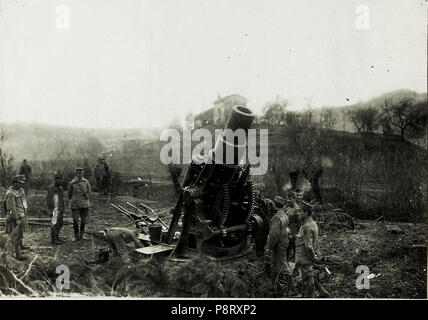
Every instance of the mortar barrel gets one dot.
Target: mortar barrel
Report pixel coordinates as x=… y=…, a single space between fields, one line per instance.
x=240 y=118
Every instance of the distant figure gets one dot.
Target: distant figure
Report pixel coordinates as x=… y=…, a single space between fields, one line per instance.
x=102 y=175
x=175 y=172
x=55 y=203
x=15 y=206
x=79 y=190
x=25 y=170
x=87 y=170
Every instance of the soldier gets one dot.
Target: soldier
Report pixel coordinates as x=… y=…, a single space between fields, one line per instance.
x=25 y=170
x=277 y=244
x=293 y=220
x=79 y=190
x=55 y=203
x=102 y=175
x=175 y=172
x=306 y=241
x=119 y=238
x=15 y=208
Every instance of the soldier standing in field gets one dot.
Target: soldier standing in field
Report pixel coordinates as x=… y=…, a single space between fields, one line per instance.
x=306 y=242
x=277 y=244
x=55 y=203
x=102 y=176
x=25 y=170
x=15 y=208
x=79 y=191
x=294 y=226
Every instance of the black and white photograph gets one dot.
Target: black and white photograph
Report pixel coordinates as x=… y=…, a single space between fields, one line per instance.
x=213 y=150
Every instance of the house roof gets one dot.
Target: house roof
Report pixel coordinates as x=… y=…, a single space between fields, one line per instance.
x=232 y=96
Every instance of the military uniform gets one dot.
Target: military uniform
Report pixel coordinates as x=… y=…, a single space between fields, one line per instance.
x=277 y=244
x=102 y=176
x=175 y=172
x=119 y=238
x=294 y=225
x=306 y=241
x=25 y=170
x=78 y=193
x=16 y=222
x=55 y=203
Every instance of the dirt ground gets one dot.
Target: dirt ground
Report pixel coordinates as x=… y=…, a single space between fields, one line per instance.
x=395 y=254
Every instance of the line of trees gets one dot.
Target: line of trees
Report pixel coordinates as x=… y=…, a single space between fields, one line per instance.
x=402 y=112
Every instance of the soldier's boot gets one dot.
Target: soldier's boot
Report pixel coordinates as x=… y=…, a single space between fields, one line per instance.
x=310 y=290
x=291 y=288
x=322 y=292
x=54 y=237
x=21 y=245
x=18 y=255
x=76 y=230
x=82 y=231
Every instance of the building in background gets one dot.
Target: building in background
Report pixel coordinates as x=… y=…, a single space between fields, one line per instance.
x=219 y=114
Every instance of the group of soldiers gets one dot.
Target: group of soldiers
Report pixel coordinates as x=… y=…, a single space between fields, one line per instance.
x=293 y=233
x=15 y=204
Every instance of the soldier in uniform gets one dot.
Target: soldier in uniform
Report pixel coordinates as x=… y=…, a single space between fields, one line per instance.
x=15 y=208
x=102 y=175
x=120 y=237
x=55 y=203
x=306 y=242
x=294 y=225
x=175 y=172
x=277 y=244
x=25 y=170
x=79 y=190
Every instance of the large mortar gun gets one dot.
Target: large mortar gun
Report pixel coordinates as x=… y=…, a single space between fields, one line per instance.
x=217 y=200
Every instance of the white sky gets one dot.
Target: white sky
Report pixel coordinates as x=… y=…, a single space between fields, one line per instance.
x=141 y=63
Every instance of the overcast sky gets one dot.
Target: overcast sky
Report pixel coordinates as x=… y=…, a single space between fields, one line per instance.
x=141 y=63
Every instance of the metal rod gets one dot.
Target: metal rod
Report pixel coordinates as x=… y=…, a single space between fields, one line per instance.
x=153 y=211
x=142 y=217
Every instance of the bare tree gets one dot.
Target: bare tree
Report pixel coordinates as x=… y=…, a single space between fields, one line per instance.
x=403 y=115
x=365 y=119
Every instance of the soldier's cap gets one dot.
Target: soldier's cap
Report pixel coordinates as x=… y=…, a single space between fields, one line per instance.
x=278 y=200
x=79 y=169
x=20 y=178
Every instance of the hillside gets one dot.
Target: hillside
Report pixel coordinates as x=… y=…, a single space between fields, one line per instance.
x=40 y=142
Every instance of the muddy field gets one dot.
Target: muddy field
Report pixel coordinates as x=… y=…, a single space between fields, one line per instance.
x=395 y=254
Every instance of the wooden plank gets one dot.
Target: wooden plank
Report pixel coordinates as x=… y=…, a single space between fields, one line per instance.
x=159 y=248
